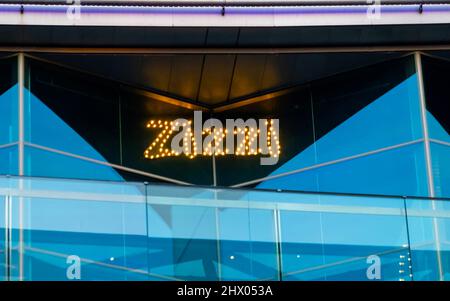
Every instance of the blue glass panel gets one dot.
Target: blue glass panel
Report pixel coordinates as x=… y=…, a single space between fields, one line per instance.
x=428 y=229
x=124 y=231
x=44 y=127
x=247 y=241
x=327 y=245
x=440 y=161
x=182 y=238
x=9 y=160
x=436 y=130
x=3 y=269
x=9 y=110
x=43 y=163
x=394 y=172
x=391 y=119
x=302 y=181
x=106 y=231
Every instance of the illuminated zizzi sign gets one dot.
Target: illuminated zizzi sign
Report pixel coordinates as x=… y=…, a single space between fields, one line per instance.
x=211 y=138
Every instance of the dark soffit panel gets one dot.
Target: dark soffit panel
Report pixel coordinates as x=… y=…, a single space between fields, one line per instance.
x=248 y=74
x=287 y=70
x=217 y=79
x=185 y=75
x=311 y=36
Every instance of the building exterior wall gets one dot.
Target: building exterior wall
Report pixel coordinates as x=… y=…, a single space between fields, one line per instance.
x=360 y=131
x=368 y=119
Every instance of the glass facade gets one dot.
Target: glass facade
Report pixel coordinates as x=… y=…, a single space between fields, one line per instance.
x=77 y=187
x=365 y=118
x=135 y=231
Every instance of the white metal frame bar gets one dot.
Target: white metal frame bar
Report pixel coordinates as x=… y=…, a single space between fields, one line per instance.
x=21 y=139
x=423 y=109
x=244 y=203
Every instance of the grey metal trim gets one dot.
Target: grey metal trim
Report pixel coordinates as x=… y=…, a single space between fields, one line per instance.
x=423 y=111
x=8 y=56
x=278 y=241
x=20 y=80
x=6 y=145
x=21 y=108
x=214 y=170
x=58 y=196
x=434 y=56
x=128 y=169
x=222 y=50
x=439 y=142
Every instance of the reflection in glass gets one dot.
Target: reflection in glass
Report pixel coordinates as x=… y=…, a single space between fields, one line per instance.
x=399 y=171
x=248 y=247
x=9 y=160
x=63 y=166
x=428 y=222
x=100 y=229
x=366 y=109
x=126 y=231
x=440 y=161
x=182 y=239
x=3 y=239
x=71 y=111
x=322 y=244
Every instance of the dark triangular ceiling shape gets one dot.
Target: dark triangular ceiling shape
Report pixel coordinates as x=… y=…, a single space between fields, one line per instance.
x=214 y=80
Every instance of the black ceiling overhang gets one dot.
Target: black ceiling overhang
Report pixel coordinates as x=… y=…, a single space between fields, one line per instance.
x=216 y=73
x=224 y=37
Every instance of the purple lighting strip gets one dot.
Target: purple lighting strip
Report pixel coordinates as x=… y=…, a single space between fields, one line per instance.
x=306 y=10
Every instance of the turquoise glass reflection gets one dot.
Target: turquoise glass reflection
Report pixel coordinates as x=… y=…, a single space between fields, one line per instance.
x=430 y=240
x=9 y=115
x=44 y=127
x=9 y=160
x=3 y=227
x=182 y=239
x=440 y=161
x=398 y=171
x=327 y=245
x=105 y=235
x=392 y=119
x=92 y=230
x=44 y=163
x=248 y=248
x=436 y=130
